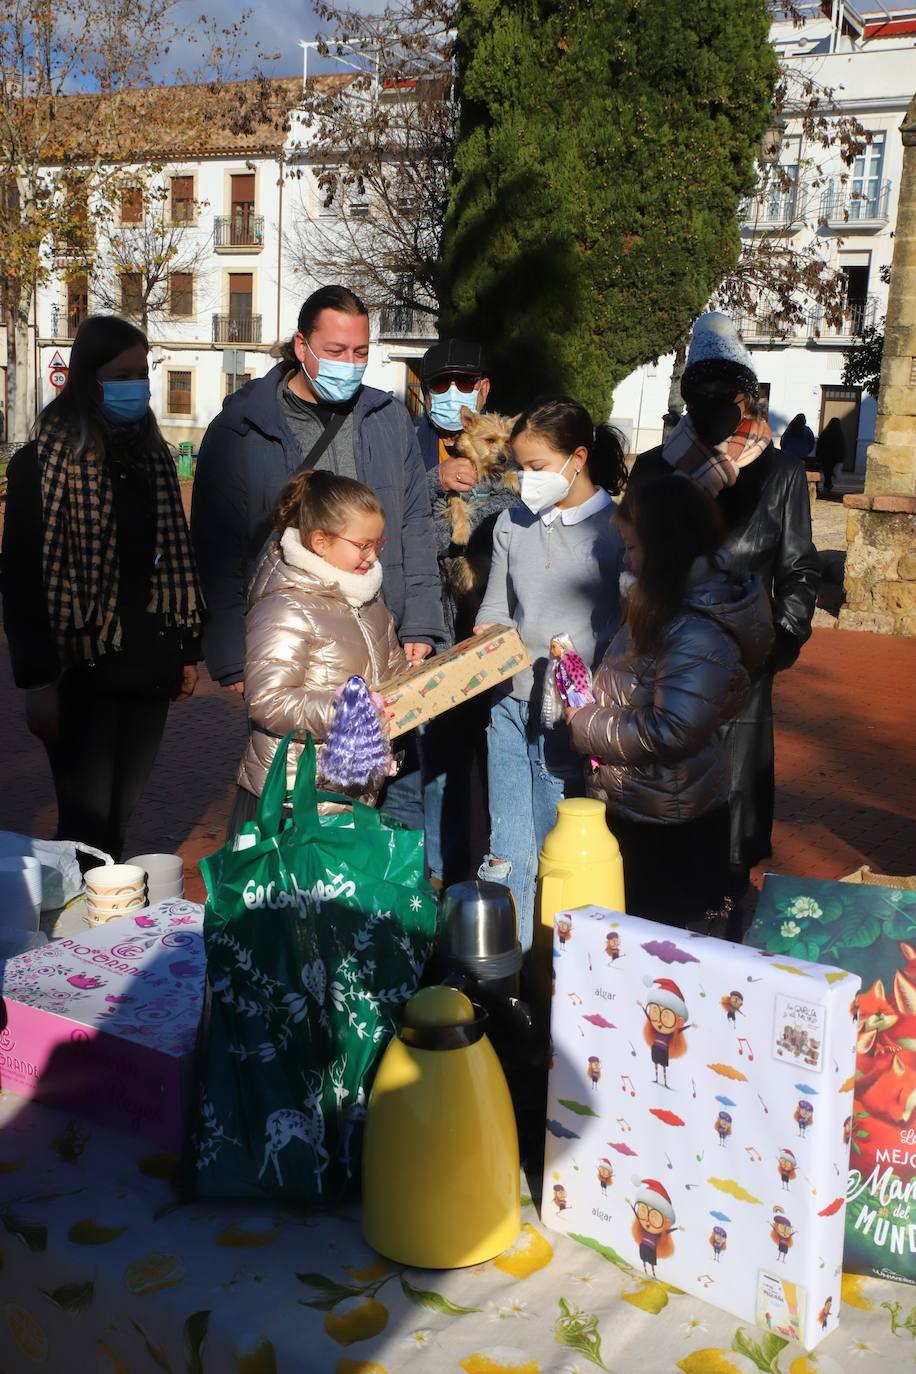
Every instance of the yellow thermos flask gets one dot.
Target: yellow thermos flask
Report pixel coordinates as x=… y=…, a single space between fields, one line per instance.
x=440 y=1152
x=579 y=865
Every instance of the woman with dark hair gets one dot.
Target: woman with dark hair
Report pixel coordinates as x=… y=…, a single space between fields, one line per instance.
x=555 y=568
x=674 y=673
x=797 y=439
x=724 y=445
x=101 y=603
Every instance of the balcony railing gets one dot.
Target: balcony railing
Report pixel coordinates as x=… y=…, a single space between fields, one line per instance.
x=813 y=327
x=236 y=329
x=400 y=322
x=844 y=208
x=764 y=328
x=775 y=210
x=857 y=317
x=238 y=231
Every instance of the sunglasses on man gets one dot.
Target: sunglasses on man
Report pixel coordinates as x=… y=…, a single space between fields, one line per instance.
x=439 y=385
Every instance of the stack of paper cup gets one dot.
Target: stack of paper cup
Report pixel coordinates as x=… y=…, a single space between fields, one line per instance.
x=114 y=890
x=164 y=876
x=20 y=904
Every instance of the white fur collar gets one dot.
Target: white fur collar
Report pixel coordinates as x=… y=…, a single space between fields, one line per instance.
x=356 y=588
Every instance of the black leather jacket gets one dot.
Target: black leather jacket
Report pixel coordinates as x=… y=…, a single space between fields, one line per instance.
x=768 y=516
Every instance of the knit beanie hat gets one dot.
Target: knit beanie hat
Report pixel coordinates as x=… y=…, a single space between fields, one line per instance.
x=717 y=354
x=653 y=1194
x=787 y=1154
x=664 y=992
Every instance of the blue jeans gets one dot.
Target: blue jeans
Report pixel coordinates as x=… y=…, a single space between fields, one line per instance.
x=402 y=796
x=529 y=771
x=433 y=803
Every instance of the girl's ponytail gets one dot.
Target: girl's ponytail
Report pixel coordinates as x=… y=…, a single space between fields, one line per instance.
x=292 y=499
x=606 y=464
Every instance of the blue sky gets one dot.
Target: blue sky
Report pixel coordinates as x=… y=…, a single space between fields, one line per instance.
x=278 y=24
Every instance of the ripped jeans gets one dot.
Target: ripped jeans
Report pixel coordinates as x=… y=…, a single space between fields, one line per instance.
x=529 y=771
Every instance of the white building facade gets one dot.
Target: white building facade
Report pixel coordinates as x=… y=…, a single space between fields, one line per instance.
x=230 y=215
x=869 y=61
x=237 y=209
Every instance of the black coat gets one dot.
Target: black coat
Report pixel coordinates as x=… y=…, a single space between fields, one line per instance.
x=768 y=519
x=246 y=458
x=152 y=653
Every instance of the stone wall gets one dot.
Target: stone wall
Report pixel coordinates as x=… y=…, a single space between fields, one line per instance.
x=880 y=574
x=880 y=564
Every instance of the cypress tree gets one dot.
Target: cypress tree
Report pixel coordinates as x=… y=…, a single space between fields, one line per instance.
x=603 y=148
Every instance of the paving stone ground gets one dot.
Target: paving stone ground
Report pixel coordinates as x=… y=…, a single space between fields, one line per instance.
x=845 y=759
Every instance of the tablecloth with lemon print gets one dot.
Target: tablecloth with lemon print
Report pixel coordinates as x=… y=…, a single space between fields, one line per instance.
x=102 y=1272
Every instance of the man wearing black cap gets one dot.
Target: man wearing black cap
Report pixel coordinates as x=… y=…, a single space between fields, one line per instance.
x=452 y=375
x=312 y=410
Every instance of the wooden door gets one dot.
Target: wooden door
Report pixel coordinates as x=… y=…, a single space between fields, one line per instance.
x=241 y=286
x=843 y=402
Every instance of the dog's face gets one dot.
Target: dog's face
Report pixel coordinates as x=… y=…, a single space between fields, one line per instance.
x=484 y=439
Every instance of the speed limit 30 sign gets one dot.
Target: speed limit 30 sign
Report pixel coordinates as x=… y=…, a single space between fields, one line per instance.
x=58 y=372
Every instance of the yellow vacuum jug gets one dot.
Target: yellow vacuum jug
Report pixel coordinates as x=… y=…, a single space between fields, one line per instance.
x=579 y=865
x=440 y=1152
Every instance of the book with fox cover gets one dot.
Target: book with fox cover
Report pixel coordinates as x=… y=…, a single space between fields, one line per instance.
x=870 y=930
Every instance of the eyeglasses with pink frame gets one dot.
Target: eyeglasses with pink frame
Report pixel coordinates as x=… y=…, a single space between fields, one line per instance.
x=364 y=545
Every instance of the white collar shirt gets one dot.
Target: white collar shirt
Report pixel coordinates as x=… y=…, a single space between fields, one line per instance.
x=572 y=515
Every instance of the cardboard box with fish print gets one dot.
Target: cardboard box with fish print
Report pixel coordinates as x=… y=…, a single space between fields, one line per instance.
x=868 y=926
x=697 y=1096
x=446 y=680
x=104 y=1024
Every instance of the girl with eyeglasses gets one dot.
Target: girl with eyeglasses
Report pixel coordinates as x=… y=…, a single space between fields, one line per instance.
x=315 y=618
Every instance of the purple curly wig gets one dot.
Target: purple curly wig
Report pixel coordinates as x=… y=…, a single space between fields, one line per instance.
x=356 y=755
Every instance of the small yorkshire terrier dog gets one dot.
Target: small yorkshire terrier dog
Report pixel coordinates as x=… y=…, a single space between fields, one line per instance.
x=484 y=440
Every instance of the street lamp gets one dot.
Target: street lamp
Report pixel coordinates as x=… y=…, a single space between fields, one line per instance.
x=771 y=142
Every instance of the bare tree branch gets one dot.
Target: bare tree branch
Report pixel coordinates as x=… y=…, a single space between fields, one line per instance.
x=380 y=148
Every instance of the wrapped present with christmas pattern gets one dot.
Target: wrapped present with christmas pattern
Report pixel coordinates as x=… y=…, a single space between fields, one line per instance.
x=697 y=1099
x=447 y=679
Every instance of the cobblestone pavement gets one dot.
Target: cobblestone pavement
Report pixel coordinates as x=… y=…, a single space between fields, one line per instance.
x=845 y=759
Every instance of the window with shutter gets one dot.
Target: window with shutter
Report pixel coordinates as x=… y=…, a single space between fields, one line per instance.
x=178 y=401
x=181 y=293
x=132 y=205
x=77 y=303
x=131 y=293
x=182 y=196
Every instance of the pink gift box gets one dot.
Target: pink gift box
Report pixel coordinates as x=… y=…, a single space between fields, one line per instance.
x=104 y=1024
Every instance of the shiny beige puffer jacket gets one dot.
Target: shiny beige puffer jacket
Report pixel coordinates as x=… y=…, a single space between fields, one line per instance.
x=309 y=627
x=655 y=725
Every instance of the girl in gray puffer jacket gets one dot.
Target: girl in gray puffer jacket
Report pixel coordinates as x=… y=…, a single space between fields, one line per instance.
x=680 y=667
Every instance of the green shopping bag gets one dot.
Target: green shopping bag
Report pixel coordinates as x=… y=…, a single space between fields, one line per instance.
x=317 y=929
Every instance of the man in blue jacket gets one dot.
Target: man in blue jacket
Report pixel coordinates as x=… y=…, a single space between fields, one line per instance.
x=313 y=411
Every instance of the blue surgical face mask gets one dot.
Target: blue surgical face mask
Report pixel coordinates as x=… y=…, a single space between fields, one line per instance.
x=336 y=382
x=445 y=409
x=126 y=402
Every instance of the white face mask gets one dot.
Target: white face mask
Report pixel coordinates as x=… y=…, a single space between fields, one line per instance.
x=542 y=489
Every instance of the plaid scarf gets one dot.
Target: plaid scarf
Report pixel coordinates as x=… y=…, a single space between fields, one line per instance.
x=715 y=466
x=80 y=554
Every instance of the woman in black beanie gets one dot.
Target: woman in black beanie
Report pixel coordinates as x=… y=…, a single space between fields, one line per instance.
x=725 y=446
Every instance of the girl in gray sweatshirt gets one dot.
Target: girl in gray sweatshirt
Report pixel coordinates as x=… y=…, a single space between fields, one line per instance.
x=556 y=565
